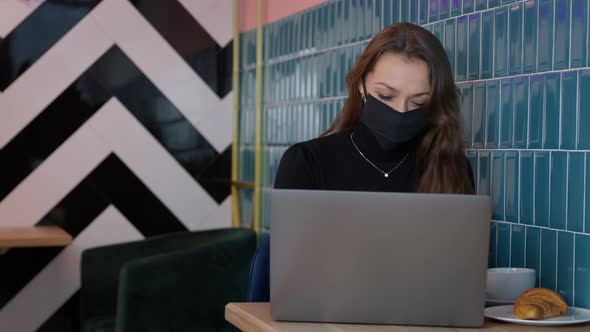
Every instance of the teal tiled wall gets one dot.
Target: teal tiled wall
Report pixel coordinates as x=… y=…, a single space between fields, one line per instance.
x=524 y=72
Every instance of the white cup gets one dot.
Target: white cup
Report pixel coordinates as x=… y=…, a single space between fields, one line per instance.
x=507 y=283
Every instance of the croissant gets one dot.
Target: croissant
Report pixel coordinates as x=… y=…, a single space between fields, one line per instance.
x=539 y=303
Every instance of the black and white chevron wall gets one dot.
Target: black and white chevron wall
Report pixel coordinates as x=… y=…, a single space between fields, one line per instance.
x=115 y=123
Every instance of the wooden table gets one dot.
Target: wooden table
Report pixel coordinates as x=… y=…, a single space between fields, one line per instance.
x=37 y=236
x=255 y=317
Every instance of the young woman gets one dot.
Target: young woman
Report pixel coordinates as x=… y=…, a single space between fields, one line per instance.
x=400 y=129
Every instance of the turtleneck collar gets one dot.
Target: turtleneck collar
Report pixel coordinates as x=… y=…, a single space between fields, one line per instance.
x=367 y=143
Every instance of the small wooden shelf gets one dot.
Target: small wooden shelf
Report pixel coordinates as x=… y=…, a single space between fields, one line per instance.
x=37 y=236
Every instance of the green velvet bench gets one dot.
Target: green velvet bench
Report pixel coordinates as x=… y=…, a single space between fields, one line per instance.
x=173 y=282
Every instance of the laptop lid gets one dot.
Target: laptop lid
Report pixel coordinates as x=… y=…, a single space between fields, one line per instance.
x=385 y=258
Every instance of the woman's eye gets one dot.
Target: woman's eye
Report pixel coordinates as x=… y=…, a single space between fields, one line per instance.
x=418 y=104
x=385 y=97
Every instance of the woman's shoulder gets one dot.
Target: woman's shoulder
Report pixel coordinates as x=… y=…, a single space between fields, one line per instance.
x=318 y=146
x=298 y=168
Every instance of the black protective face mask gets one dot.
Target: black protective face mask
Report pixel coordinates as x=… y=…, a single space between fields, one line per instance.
x=392 y=128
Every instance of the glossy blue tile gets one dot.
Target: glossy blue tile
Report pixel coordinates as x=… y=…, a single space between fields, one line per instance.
x=472 y=157
x=503 y=249
x=501 y=42
x=423 y=11
x=468 y=6
x=487 y=44
x=493 y=113
x=515 y=42
x=443 y=9
x=530 y=37
x=438 y=30
x=353 y=18
x=294 y=25
x=433 y=10
x=481 y=5
x=521 y=95
x=414 y=11
x=562 y=34
x=578 y=33
x=548 y=259
x=551 y=130
x=346 y=21
x=494 y=3
x=533 y=251
x=582 y=271
x=450 y=27
x=492 y=253
x=339 y=23
x=371 y=15
x=541 y=188
x=405 y=10
x=545 y=38
x=467 y=110
x=558 y=180
x=517 y=250
x=498 y=185
x=504 y=2
x=484 y=173
x=511 y=194
x=455 y=8
x=473 y=50
x=527 y=180
x=304 y=28
x=479 y=115
x=398 y=11
x=461 y=53
x=536 y=111
x=584 y=109
x=314 y=17
x=301 y=31
x=565 y=266
x=587 y=195
x=335 y=72
x=575 y=192
x=507 y=113
x=333 y=29
x=388 y=12
x=361 y=20
x=569 y=100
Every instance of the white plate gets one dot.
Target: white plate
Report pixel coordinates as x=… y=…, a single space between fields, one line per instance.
x=505 y=313
x=492 y=303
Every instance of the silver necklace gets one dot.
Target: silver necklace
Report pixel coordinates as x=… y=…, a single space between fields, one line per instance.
x=386 y=174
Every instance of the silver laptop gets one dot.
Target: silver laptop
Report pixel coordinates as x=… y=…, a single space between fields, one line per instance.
x=382 y=258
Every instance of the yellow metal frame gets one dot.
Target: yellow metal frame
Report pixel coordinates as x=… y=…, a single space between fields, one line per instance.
x=236 y=185
x=235 y=155
x=259 y=120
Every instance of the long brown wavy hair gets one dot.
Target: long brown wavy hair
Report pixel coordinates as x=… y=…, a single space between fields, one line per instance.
x=440 y=154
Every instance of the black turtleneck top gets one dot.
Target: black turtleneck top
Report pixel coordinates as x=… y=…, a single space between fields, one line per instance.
x=334 y=163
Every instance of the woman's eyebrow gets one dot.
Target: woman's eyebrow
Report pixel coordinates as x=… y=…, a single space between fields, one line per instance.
x=387 y=86
x=395 y=90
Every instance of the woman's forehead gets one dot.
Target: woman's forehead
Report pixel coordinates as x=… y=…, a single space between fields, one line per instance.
x=401 y=73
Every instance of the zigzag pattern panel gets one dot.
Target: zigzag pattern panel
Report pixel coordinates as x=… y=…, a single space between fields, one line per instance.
x=196 y=46
x=113 y=119
x=16 y=54
x=113 y=75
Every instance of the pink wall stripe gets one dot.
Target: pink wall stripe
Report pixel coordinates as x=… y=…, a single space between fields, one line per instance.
x=274 y=10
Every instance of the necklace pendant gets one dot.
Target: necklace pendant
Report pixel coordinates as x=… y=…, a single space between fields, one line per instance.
x=386 y=175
